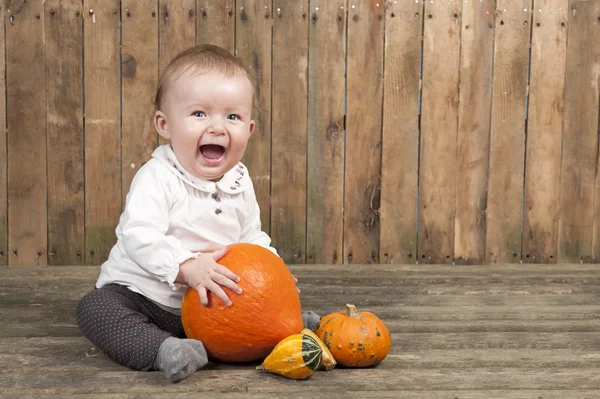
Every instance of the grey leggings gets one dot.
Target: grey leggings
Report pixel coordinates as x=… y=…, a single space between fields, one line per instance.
x=127 y=326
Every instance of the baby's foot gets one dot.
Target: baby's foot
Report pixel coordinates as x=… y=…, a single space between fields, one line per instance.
x=178 y=358
x=310 y=320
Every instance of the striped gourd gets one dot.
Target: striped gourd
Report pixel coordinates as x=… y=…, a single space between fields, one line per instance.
x=328 y=361
x=297 y=356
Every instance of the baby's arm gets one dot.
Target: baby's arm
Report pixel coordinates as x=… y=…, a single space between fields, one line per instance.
x=145 y=222
x=205 y=274
x=144 y=225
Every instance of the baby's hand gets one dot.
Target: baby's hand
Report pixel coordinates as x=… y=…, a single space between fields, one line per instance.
x=205 y=274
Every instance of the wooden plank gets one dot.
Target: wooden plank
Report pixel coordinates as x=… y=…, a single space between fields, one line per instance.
x=495 y=271
x=24 y=354
x=594 y=124
x=177 y=32
x=439 y=120
x=544 y=131
x=493 y=326
x=102 y=54
x=461 y=331
x=454 y=303
x=177 y=29
x=576 y=220
x=413 y=307
x=507 y=136
x=26 y=124
x=501 y=340
x=582 y=276
x=400 y=135
x=216 y=23
x=64 y=127
x=47 y=328
x=139 y=63
x=477 y=56
x=364 y=101
x=289 y=129
x=427 y=317
x=403 y=290
x=326 y=132
x=374 y=380
x=390 y=297
x=552 y=275
x=391 y=394
x=253 y=44
x=3 y=154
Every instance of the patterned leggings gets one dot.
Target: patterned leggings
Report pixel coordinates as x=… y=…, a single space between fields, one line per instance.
x=125 y=325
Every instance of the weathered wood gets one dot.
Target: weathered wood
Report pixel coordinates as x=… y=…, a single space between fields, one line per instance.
x=326 y=131
x=289 y=129
x=64 y=127
x=215 y=23
x=26 y=150
x=102 y=53
x=477 y=53
x=177 y=31
x=139 y=79
x=439 y=121
x=393 y=394
x=3 y=154
x=458 y=331
x=576 y=221
x=56 y=317
x=254 y=23
x=507 y=136
x=364 y=100
x=347 y=380
x=544 y=132
x=400 y=135
x=77 y=354
x=594 y=124
x=582 y=275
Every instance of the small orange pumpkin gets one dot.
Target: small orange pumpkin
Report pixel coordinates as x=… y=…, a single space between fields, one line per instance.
x=267 y=311
x=356 y=339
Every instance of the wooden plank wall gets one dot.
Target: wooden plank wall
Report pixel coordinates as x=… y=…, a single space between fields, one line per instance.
x=387 y=131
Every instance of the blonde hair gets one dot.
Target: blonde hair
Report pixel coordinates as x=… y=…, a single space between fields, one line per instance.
x=199 y=59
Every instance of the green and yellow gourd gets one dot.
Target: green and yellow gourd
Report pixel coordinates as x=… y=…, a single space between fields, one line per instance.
x=328 y=361
x=297 y=357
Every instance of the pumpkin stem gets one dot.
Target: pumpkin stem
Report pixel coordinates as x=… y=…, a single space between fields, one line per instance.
x=261 y=367
x=351 y=310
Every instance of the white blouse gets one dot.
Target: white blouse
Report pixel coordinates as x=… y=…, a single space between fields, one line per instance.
x=171 y=216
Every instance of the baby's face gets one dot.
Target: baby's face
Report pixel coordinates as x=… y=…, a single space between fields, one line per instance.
x=208 y=120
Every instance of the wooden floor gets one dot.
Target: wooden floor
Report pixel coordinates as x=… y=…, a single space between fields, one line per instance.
x=468 y=332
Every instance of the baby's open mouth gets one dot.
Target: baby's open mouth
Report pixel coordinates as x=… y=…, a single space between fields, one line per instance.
x=212 y=151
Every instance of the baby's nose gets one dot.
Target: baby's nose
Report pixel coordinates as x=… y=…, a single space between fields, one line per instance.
x=217 y=127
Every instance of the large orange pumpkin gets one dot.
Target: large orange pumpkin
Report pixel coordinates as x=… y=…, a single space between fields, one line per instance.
x=267 y=311
x=355 y=339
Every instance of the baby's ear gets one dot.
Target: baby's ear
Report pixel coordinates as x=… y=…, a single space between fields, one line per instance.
x=160 y=124
x=252 y=125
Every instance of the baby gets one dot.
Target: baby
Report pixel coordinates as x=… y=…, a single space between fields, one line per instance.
x=185 y=205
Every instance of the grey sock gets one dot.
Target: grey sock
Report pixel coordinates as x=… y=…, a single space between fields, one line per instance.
x=310 y=320
x=178 y=358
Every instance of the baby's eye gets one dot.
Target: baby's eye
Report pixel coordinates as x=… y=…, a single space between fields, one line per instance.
x=199 y=114
x=233 y=117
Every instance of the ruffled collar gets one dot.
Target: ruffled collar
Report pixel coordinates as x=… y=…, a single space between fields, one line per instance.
x=234 y=181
